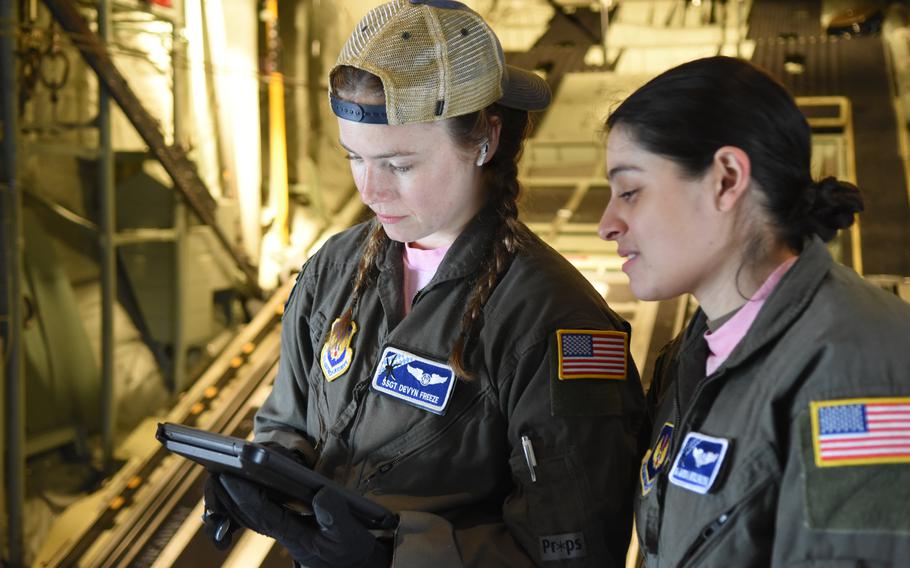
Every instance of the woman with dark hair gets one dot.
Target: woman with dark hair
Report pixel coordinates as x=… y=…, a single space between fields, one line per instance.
x=440 y=359
x=782 y=426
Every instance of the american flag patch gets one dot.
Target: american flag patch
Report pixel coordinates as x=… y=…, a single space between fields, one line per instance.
x=591 y=354
x=861 y=431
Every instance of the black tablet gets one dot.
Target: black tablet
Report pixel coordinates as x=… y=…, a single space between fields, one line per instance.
x=260 y=464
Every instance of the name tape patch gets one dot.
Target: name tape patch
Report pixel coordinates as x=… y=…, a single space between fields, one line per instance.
x=563 y=547
x=861 y=431
x=415 y=380
x=698 y=462
x=656 y=458
x=592 y=354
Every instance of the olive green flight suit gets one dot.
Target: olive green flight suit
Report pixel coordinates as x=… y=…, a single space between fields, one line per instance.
x=824 y=336
x=461 y=480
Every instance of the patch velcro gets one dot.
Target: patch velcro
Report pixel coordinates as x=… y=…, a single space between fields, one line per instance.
x=861 y=431
x=592 y=354
x=872 y=498
x=563 y=547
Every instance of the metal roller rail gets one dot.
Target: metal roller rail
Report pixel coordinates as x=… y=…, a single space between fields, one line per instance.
x=177 y=481
x=151 y=495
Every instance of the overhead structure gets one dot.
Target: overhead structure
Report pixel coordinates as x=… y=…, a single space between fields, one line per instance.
x=173 y=158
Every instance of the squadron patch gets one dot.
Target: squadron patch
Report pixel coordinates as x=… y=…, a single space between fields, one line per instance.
x=861 y=431
x=415 y=380
x=592 y=354
x=656 y=458
x=698 y=462
x=337 y=352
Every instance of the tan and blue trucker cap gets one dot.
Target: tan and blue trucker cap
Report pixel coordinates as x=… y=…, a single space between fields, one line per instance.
x=436 y=59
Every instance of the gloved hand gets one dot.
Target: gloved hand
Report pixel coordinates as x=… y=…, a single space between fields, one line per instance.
x=218 y=520
x=335 y=540
x=216 y=517
x=219 y=523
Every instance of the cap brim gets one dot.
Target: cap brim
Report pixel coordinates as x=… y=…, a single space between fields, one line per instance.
x=524 y=90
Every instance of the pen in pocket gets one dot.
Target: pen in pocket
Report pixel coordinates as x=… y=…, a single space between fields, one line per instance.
x=528 y=450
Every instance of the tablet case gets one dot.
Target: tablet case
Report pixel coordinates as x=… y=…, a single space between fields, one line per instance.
x=260 y=464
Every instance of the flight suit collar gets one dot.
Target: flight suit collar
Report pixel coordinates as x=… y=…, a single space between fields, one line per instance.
x=465 y=256
x=787 y=301
x=390 y=286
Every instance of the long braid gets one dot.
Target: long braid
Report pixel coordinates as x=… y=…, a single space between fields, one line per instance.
x=501 y=178
x=366 y=271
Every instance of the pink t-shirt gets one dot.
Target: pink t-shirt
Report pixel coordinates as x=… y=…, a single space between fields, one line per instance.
x=419 y=268
x=723 y=340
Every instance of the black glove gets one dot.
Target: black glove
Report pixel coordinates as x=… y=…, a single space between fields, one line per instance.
x=335 y=540
x=218 y=520
x=216 y=517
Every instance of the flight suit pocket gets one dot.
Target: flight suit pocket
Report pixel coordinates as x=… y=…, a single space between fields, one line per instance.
x=592 y=397
x=424 y=439
x=554 y=500
x=855 y=496
x=552 y=510
x=740 y=526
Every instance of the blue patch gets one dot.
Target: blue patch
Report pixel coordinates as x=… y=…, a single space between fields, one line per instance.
x=415 y=380
x=656 y=458
x=698 y=462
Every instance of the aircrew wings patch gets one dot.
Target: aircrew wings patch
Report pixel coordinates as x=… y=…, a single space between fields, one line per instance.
x=592 y=354
x=861 y=431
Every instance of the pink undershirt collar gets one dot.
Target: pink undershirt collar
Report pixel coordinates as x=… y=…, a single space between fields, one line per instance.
x=723 y=340
x=420 y=266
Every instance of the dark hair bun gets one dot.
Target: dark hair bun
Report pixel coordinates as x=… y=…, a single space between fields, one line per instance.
x=832 y=203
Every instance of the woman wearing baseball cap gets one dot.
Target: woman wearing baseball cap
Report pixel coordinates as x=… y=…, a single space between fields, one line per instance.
x=783 y=410
x=439 y=358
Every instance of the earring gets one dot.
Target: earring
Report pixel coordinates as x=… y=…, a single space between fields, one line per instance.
x=483 y=153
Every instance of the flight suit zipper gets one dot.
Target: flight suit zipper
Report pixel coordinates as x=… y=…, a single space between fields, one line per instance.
x=718 y=526
x=677 y=436
x=681 y=422
x=384 y=468
x=683 y=429
x=321 y=398
x=358 y=395
x=417 y=297
x=705 y=536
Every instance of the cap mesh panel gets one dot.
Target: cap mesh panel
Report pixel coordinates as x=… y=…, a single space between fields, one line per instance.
x=475 y=80
x=405 y=45
x=413 y=67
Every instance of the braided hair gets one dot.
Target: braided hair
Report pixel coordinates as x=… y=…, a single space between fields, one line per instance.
x=500 y=180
